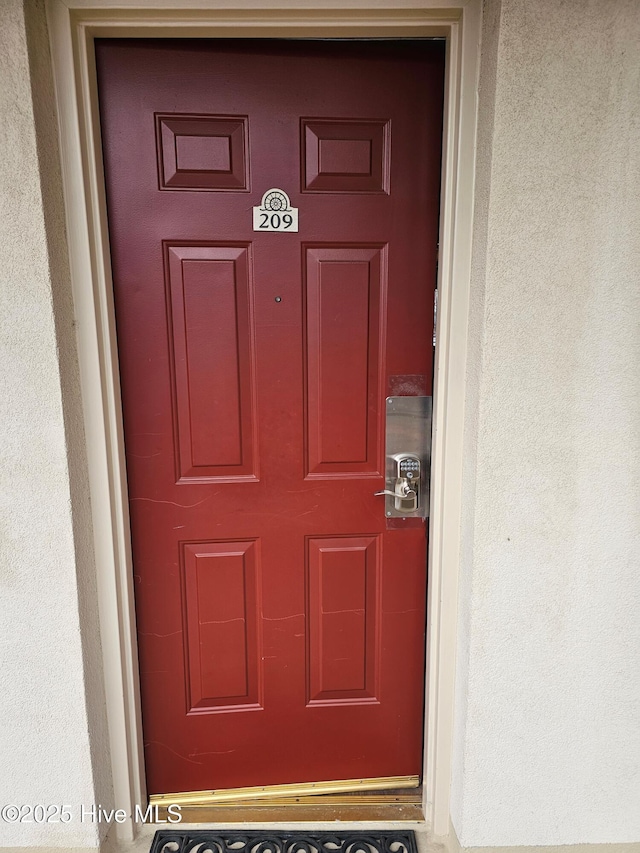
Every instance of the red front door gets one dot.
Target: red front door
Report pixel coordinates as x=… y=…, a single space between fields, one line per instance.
x=281 y=618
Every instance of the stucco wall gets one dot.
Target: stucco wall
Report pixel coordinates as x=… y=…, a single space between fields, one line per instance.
x=46 y=576
x=547 y=736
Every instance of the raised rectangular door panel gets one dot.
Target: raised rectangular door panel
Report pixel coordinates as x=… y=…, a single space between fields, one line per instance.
x=343 y=602
x=220 y=587
x=346 y=156
x=280 y=618
x=345 y=299
x=211 y=335
x=202 y=152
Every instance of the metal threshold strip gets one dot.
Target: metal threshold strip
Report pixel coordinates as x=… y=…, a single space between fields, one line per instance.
x=291 y=794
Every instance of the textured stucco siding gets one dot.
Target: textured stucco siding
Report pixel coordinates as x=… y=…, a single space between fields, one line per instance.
x=46 y=667
x=547 y=734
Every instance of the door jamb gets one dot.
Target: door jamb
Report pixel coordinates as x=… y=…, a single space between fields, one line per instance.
x=73 y=25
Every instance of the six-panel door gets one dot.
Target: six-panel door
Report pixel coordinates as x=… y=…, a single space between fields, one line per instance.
x=280 y=617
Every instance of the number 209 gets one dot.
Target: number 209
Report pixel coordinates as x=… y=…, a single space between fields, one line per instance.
x=275 y=221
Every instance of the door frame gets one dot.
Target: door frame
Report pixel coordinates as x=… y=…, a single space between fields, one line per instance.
x=73 y=26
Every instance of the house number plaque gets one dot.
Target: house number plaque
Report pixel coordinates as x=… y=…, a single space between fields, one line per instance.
x=275 y=213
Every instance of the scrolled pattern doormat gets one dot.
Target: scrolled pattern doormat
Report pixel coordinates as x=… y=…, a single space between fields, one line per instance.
x=270 y=841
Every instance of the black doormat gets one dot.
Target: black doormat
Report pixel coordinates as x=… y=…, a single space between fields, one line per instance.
x=282 y=841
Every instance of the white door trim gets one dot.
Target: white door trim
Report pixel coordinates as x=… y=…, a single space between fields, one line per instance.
x=73 y=25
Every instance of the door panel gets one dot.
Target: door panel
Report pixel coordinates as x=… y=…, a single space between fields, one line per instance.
x=345 y=289
x=281 y=617
x=344 y=619
x=220 y=622
x=212 y=360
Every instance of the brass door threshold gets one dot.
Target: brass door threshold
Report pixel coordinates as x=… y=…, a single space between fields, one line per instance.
x=277 y=792
x=391 y=798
